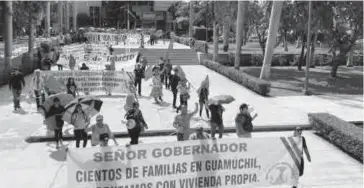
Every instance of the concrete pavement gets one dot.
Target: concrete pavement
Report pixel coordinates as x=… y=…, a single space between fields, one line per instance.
x=40 y=165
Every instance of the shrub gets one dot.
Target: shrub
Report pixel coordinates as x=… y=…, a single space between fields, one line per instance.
x=259 y=86
x=345 y=135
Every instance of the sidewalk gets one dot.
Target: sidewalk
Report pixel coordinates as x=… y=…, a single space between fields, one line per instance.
x=40 y=165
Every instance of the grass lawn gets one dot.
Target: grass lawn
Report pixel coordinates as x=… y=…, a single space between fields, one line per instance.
x=288 y=81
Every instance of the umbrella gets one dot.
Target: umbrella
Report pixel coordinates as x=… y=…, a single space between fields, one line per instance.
x=90 y=105
x=63 y=97
x=221 y=99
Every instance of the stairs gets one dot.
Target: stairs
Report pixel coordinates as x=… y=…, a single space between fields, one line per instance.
x=177 y=56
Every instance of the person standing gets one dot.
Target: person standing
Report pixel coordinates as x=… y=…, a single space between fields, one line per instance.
x=216 y=119
x=71 y=87
x=136 y=123
x=16 y=84
x=144 y=63
x=139 y=75
x=157 y=91
x=199 y=134
x=184 y=89
x=243 y=122
x=298 y=133
x=101 y=133
x=203 y=99
x=182 y=123
x=167 y=73
x=174 y=80
x=161 y=67
x=57 y=110
x=80 y=121
x=37 y=86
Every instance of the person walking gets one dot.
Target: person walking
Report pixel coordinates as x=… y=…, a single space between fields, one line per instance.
x=161 y=67
x=167 y=73
x=139 y=75
x=71 y=87
x=174 y=80
x=243 y=122
x=57 y=110
x=203 y=97
x=199 y=134
x=298 y=133
x=100 y=133
x=37 y=86
x=216 y=119
x=157 y=91
x=16 y=84
x=136 y=123
x=184 y=89
x=182 y=123
x=80 y=121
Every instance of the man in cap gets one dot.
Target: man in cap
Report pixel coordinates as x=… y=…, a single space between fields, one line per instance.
x=16 y=84
x=199 y=134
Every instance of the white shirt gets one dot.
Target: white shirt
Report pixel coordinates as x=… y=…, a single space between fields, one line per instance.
x=37 y=84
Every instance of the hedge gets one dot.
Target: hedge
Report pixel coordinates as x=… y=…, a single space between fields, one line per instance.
x=257 y=85
x=197 y=45
x=345 y=135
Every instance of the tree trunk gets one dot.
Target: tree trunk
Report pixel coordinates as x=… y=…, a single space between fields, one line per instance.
x=216 y=39
x=226 y=28
x=340 y=58
x=190 y=27
x=313 y=47
x=239 y=31
x=272 y=36
x=302 y=58
x=285 y=43
x=8 y=34
x=349 y=61
x=31 y=37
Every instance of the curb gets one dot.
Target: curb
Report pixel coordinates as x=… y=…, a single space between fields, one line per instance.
x=155 y=133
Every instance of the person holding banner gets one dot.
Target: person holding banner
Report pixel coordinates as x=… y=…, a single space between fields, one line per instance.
x=101 y=133
x=139 y=75
x=80 y=121
x=71 y=87
x=157 y=90
x=182 y=123
x=243 y=122
x=136 y=123
x=298 y=133
x=37 y=86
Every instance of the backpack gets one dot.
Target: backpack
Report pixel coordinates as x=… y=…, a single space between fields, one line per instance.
x=248 y=125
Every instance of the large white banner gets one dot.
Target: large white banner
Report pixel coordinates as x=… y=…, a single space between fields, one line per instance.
x=111 y=38
x=98 y=62
x=91 y=81
x=189 y=164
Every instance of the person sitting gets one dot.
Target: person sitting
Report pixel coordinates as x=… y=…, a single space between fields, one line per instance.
x=101 y=132
x=199 y=134
x=84 y=67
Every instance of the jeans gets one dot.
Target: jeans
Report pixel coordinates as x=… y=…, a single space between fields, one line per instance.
x=58 y=134
x=16 y=97
x=39 y=96
x=139 y=84
x=134 y=135
x=80 y=134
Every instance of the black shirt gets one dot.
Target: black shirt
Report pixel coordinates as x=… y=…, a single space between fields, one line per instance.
x=216 y=113
x=174 y=79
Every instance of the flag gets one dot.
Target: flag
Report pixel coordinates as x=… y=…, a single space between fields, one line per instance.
x=148 y=73
x=204 y=84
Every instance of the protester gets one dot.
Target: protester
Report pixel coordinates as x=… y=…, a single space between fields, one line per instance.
x=57 y=110
x=72 y=62
x=135 y=117
x=47 y=63
x=84 y=67
x=37 y=87
x=199 y=134
x=161 y=67
x=80 y=121
x=139 y=75
x=243 y=122
x=203 y=100
x=16 y=84
x=144 y=63
x=298 y=133
x=111 y=50
x=174 y=80
x=167 y=73
x=157 y=91
x=101 y=132
x=62 y=40
x=184 y=89
x=182 y=123
x=216 y=119
x=141 y=40
x=71 y=87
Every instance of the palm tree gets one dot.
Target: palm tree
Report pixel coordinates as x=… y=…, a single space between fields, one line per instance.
x=242 y=5
x=216 y=25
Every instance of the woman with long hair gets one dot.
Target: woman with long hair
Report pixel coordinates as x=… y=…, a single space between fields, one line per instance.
x=71 y=87
x=157 y=91
x=80 y=121
x=135 y=116
x=57 y=111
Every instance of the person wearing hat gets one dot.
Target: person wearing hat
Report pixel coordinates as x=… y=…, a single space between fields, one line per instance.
x=174 y=80
x=199 y=134
x=16 y=84
x=136 y=123
x=298 y=133
x=100 y=132
x=243 y=122
x=57 y=110
x=139 y=75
